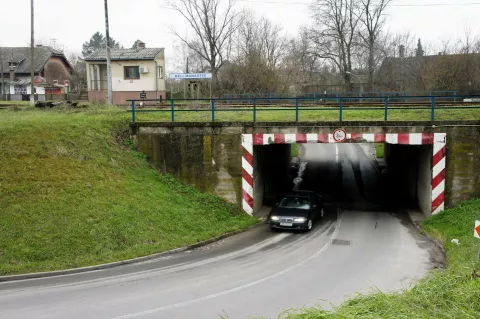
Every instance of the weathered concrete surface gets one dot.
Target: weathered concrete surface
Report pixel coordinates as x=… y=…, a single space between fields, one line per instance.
x=208 y=155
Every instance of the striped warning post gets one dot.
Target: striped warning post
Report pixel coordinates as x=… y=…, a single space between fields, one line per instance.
x=438 y=173
x=437 y=139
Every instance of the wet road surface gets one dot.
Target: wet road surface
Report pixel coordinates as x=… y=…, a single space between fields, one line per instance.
x=257 y=273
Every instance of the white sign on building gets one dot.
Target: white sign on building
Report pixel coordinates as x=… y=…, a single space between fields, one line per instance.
x=183 y=76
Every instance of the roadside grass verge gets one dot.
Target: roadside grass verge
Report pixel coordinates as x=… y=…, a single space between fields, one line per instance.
x=74 y=193
x=450 y=293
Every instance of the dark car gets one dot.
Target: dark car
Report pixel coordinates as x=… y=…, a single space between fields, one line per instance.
x=297 y=210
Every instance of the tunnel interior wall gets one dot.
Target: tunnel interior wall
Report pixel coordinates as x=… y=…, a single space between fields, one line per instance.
x=410 y=176
x=271 y=172
x=258 y=177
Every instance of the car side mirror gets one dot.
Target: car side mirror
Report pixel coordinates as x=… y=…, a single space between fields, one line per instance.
x=277 y=204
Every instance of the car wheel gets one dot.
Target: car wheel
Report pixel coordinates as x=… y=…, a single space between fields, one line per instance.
x=273 y=229
x=309 y=224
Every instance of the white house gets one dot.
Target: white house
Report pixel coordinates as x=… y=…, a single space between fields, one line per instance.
x=133 y=71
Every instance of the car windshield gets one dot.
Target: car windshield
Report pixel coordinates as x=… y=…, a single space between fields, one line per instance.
x=299 y=202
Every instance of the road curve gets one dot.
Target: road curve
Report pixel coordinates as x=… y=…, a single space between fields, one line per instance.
x=257 y=273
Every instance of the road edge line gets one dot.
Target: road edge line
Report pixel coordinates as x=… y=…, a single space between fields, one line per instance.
x=56 y=273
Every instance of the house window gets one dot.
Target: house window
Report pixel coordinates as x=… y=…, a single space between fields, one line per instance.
x=20 y=89
x=131 y=72
x=160 y=72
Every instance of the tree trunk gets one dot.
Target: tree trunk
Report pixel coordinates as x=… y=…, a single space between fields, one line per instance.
x=371 y=66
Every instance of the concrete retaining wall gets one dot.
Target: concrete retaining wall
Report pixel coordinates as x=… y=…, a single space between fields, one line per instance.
x=209 y=155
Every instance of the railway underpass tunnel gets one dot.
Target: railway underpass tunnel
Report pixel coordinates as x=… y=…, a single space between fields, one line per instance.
x=347 y=175
x=408 y=176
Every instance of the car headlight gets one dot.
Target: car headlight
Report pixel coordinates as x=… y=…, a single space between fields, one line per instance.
x=275 y=218
x=300 y=220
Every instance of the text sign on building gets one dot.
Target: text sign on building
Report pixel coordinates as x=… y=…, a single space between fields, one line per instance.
x=184 y=76
x=476 y=232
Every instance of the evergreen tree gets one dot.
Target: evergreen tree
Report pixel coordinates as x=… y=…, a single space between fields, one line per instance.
x=97 y=41
x=419 y=50
x=134 y=46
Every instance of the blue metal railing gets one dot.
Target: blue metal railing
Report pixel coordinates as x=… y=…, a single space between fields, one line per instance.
x=382 y=103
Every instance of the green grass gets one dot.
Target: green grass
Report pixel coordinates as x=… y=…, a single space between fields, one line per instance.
x=74 y=193
x=380 y=148
x=263 y=114
x=449 y=293
x=294 y=150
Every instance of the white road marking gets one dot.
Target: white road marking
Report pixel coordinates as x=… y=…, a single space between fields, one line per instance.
x=156 y=272
x=226 y=292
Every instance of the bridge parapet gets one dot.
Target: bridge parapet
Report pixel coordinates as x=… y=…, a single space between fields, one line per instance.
x=208 y=155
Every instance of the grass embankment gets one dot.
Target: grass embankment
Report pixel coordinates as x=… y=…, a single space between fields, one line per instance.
x=73 y=193
x=450 y=293
x=305 y=115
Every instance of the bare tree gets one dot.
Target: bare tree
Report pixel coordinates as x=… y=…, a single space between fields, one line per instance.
x=78 y=79
x=372 y=18
x=258 y=54
x=302 y=66
x=212 y=26
x=335 y=33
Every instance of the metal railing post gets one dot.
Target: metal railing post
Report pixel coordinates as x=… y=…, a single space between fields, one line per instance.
x=432 y=115
x=296 y=110
x=254 y=109
x=133 y=111
x=172 y=104
x=386 y=109
x=213 y=110
x=341 y=109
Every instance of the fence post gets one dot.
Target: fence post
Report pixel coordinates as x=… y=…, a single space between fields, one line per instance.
x=296 y=109
x=254 y=109
x=386 y=108
x=213 y=110
x=172 y=103
x=133 y=111
x=341 y=109
x=432 y=117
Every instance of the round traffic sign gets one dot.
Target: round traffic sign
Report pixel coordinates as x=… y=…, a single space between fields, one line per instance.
x=339 y=135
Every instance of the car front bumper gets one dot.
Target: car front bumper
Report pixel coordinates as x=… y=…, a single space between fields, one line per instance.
x=294 y=225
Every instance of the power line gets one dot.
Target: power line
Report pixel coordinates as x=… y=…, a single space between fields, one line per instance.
x=391 y=5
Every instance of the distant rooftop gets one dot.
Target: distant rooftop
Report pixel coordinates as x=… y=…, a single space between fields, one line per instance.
x=125 y=54
x=20 y=57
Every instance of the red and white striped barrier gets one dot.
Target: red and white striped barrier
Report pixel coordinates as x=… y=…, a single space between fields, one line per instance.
x=437 y=139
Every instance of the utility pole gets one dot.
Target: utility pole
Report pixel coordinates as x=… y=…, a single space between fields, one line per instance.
x=109 y=61
x=185 y=82
x=32 y=59
x=3 y=76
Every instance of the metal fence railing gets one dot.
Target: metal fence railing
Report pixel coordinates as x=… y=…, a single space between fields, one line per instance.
x=299 y=104
x=335 y=96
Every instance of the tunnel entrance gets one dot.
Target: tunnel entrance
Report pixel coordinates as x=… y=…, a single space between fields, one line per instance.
x=411 y=173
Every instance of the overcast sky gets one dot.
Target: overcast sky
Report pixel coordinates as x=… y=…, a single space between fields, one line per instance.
x=72 y=22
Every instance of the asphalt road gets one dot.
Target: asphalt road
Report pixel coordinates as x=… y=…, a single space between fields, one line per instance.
x=258 y=273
